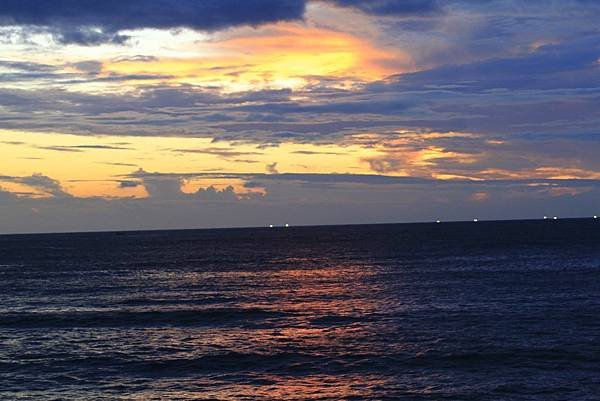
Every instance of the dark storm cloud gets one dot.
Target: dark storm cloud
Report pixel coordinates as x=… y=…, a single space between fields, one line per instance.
x=92 y=22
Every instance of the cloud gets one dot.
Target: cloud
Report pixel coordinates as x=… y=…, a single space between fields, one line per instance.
x=164 y=187
x=272 y=168
x=262 y=179
x=313 y=152
x=81 y=148
x=27 y=66
x=219 y=152
x=42 y=184
x=298 y=199
x=91 y=67
x=14 y=143
x=138 y=58
x=88 y=23
x=119 y=164
x=479 y=196
x=500 y=96
x=213 y=194
x=88 y=36
x=385 y=165
x=525 y=82
x=392 y=7
x=129 y=184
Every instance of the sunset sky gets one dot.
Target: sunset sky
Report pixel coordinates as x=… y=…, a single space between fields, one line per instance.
x=217 y=113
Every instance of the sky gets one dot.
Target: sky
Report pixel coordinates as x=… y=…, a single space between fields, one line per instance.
x=156 y=114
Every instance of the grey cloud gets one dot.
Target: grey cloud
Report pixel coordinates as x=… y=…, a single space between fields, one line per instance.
x=212 y=194
x=312 y=152
x=137 y=58
x=81 y=148
x=260 y=179
x=272 y=168
x=120 y=164
x=88 y=23
x=304 y=199
x=519 y=96
x=14 y=143
x=220 y=152
x=27 y=66
x=40 y=182
x=393 y=7
x=129 y=184
x=89 y=66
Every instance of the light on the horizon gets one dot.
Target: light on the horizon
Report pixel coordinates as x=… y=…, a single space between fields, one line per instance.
x=437 y=221
x=545 y=217
x=475 y=220
x=287 y=225
x=555 y=218
x=595 y=217
x=270 y=225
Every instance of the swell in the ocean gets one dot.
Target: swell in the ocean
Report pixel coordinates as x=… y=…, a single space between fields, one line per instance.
x=462 y=311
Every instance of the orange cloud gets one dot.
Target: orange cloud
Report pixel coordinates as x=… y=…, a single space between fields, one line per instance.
x=282 y=55
x=479 y=196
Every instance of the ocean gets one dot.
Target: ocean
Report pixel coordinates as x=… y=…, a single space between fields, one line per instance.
x=451 y=311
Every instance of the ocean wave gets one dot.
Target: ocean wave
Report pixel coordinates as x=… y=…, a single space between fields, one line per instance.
x=153 y=318
x=295 y=362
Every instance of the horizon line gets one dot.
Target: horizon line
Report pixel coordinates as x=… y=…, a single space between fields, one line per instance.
x=283 y=226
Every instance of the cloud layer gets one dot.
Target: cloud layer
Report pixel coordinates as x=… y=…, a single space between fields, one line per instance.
x=297 y=199
x=90 y=22
x=296 y=111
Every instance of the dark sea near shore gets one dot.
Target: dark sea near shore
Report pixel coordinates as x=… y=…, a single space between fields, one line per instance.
x=451 y=311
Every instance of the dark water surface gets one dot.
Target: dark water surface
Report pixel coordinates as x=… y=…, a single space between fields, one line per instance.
x=451 y=311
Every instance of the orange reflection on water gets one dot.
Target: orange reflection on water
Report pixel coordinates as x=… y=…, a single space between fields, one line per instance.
x=313 y=342
x=277 y=387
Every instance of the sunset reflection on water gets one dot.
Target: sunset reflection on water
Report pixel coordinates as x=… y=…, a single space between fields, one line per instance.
x=321 y=313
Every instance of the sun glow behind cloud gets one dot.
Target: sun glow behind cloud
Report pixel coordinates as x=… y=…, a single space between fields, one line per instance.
x=93 y=166
x=278 y=56
x=458 y=94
